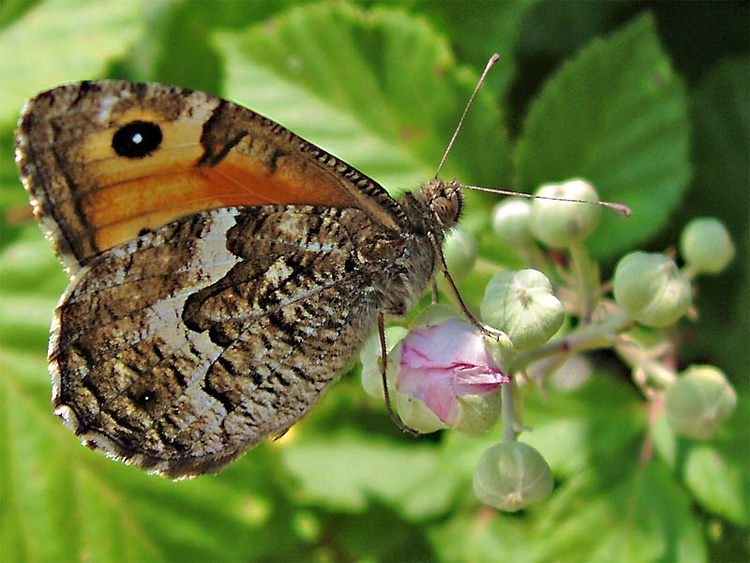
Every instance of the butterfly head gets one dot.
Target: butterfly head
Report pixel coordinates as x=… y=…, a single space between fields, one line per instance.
x=444 y=199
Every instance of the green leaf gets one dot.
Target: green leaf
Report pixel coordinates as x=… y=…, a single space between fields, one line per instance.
x=342 y=471
x=81 y=36
x=350 y=89
x=32 y=281
x=644 y=517
x=716 y=472
x=11 y=10
x=397 y=539
x=721 y=485
x=599 y=426
x=481 y=28
x=484 y=535
x=615 y=115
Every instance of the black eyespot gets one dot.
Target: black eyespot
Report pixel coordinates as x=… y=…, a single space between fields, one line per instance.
x=137 y=139
x=142 y=398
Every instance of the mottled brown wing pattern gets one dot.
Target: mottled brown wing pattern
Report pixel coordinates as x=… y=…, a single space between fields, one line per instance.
x=223 y=270
x=182 y=349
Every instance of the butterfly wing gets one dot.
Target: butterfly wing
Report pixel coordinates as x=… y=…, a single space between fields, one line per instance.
x=223 y=270
x=183 y=348
x=105 y=160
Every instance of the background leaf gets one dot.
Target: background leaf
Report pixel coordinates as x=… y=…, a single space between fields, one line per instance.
x=721 y=117
x=615 y=115
x=383 y=87
x=344 y=87
x=81 y=35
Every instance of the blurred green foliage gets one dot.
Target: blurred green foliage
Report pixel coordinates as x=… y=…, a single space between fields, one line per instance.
x=620 y=93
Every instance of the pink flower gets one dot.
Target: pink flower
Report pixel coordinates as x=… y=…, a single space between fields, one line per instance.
x=448 y=368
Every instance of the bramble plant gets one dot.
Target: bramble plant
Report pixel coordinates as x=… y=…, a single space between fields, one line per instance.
x=447 y=373
x=619 y=94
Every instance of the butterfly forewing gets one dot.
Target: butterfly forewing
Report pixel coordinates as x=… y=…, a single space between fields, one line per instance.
x=104 y=160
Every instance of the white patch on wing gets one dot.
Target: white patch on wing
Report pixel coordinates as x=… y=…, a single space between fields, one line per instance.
x=210 y=258
x=201 y=107
x=107 y=103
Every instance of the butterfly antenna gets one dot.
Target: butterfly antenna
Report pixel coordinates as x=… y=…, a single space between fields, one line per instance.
x=618 y=207
x=493 y=59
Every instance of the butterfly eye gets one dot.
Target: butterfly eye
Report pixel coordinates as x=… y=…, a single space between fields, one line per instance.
x=442 y=208
x=137 y=139
x=447 y=209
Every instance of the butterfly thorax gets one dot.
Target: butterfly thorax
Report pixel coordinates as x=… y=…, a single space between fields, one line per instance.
x=430 y=212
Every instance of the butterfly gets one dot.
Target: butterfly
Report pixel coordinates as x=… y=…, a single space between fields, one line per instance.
x=223 y=271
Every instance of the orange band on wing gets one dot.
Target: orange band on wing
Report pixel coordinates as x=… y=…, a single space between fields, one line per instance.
x=171 y=186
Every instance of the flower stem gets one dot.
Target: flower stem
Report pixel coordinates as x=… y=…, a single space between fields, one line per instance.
x=689 y=272
x=587 y=279
x=507 y=390
x=586 y=337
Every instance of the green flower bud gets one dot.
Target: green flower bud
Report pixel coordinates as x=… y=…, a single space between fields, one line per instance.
x=460 y=250
x=371 y=355
x=651 y=289
x=699 y=401
x=522 y=305
x=478 y=413
x=436 y=314
x=512 y=475
x=501 y=348
x=559 y=224
x=706 y=245
x=510 y=221
x=417 y=415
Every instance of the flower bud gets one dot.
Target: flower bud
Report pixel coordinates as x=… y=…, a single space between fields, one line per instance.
x=512 y=475
x=706 y=245
x=436 y=314
x=371 y=358
x=510 y=221
x=559 y=224
x=651 y=289
x=699 y=401
x=447 y=371
x=416 y=414
x=522 y=305
x=460 y=250
x=501 y=349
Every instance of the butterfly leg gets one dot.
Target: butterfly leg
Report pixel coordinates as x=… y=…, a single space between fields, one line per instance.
x=435 y=295
x=383 y=369
x=444 y=267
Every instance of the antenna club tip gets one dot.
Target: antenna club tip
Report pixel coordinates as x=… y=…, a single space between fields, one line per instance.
x=622 y=209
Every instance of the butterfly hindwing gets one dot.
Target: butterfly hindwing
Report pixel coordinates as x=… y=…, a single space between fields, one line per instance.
x=183 y=376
